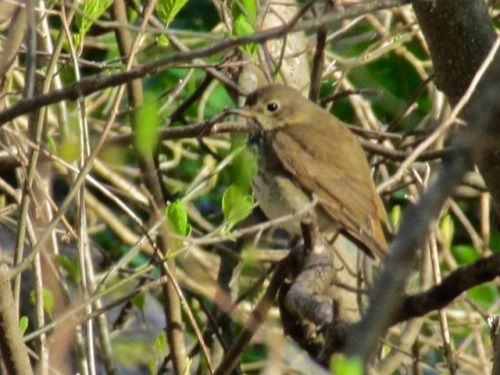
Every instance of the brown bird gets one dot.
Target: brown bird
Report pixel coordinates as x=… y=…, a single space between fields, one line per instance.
x=304 y=153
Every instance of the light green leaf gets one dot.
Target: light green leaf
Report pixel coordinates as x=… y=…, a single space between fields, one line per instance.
x=90 y=10
x=447 y=229
x=341 y=365
x=70 y=266
x=177 y=217
x=396 y=216
x=236 y=206
x=69 y=145
x=48 y=300
x=168 y=9
x=161 y=342
x=23 y=324
x=139 y=301
x=244 y=165
x=152 y=366
x=162 y=40
x=241 y=27
x=485 y=295
x=146 y=132
x=51 y=144
x=247 y=8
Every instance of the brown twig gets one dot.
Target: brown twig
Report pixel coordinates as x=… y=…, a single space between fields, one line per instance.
x=423 y=303
x=453 y=285
x=172 y=302
x=318 y=62
x=256 y=318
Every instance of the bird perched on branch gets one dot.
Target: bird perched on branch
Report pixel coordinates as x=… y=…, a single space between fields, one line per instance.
x=304 y=155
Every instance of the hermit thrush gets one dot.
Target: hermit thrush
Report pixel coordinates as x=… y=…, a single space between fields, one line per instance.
x=304 y=155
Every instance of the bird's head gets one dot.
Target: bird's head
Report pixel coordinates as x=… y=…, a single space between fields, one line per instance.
x=274 y=106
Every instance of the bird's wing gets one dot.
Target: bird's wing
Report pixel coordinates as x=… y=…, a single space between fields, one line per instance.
x=337 y=172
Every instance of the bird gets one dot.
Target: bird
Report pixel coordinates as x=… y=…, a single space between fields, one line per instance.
x=305 y=155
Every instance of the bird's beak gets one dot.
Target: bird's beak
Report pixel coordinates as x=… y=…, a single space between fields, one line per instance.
x=241 y=111
x=253 y=124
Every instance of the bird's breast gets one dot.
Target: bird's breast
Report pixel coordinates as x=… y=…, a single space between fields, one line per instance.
x=275 y=189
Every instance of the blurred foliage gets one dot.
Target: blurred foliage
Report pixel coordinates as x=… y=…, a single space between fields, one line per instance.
x=341 y=365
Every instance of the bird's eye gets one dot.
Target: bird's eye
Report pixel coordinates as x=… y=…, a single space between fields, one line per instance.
x=272 y=107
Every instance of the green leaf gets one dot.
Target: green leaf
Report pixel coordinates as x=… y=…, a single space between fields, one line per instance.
x=176 y=215
x=70 y=266
x=23 y=324
x=163 y=40
x=146 y=132
x=236 y=206
x=247 y=8
x=341 y=365
x=152 y=366
x=447 y=230
x=396 y=216
x=494 y=242
x=244 y=13
x=485 y=295
x=48 y=300
x=89 y=10
x=69 y=146
x=243 y=167
x=161 y=342
x=139 y=301
x=168 y=9
x=241 y=27
x=464 y=254
x=51 y=143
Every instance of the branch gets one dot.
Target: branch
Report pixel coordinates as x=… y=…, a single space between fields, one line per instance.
x=469 y=35
x=457 y=282
x=13 y=351
x=255 y=320
x=415 y=228
x=420 y=304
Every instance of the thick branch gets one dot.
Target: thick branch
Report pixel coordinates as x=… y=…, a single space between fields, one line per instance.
x=255 y=320
x=420 y=304
x=13 y=351
x=456 y=283
x=459 y=34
